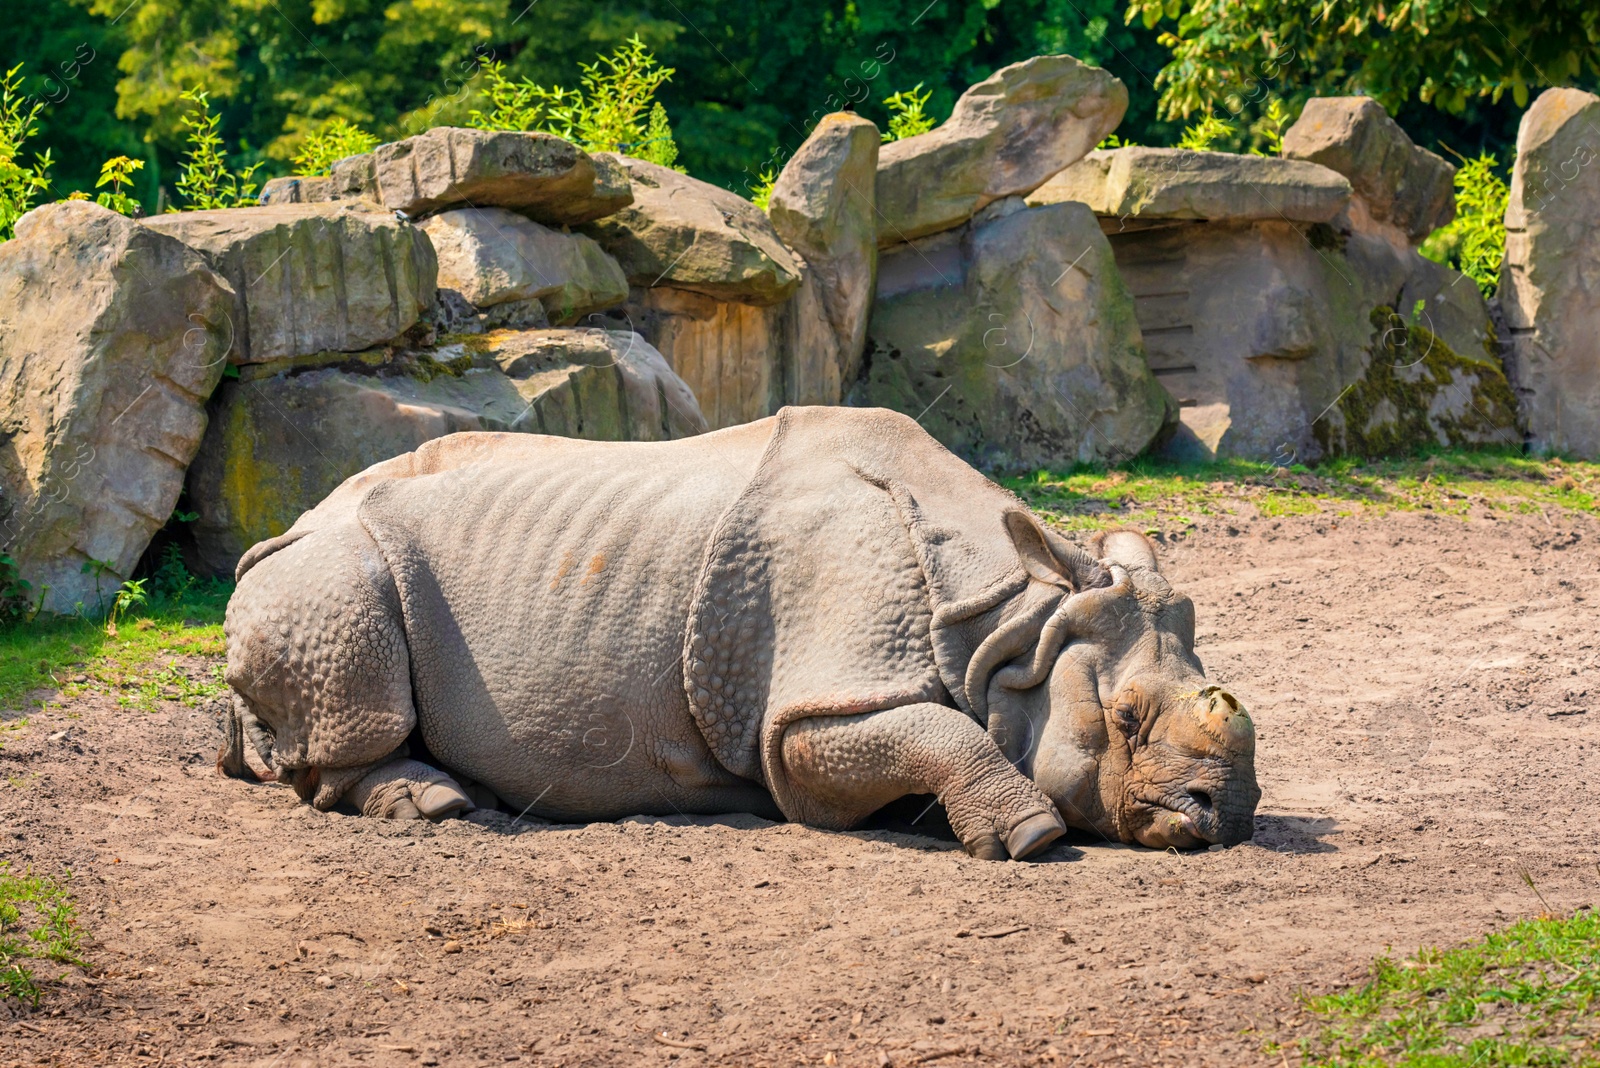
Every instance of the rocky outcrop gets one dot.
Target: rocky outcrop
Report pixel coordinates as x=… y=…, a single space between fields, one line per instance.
x=546 y=178
x=1286 y=343
x=1398 y=182
x=822 y=206
x=278 y=444
x=1169 y=183
x=112 y=335
x=311 y=277
x=683 y=233
x=1550 y=281
x=1006 y=136
x=1014 y=341
x=492 y=255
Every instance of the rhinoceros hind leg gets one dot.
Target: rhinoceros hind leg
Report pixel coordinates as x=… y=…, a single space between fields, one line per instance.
x=841 y=769
x=408 y=789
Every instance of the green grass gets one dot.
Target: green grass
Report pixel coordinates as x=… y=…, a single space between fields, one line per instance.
x=41 y=661
x=37 y=921
x=1151 y=494
x=1527 y=995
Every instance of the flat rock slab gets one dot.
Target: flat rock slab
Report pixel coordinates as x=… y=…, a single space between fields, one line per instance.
x=1401 y=183
x=547 y=178
x=1006 y=136
x=493 y=255
x=1550 y=281
x=1173 y=183
x=1014 y=342
x=278 y=444
x=688 y=234
x=112 y=336
x=312 y=277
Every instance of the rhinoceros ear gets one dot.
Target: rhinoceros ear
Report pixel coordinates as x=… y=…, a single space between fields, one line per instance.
x=1129 y=548
x=1048 y=557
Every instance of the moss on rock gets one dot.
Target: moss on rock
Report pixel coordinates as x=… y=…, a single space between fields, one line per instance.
x=1417 y=391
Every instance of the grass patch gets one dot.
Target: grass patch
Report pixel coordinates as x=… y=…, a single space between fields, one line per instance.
x=38 y=921
x=1149 y=494
x=68 y=656
x=1526 y=995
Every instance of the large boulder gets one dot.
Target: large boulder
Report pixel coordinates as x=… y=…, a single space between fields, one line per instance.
x=1399 y=183
x=1014 y=341
x=1006 y=136
x=492 y=255
x=1550 y=280
x=549 y=179
x=279 y=443
x=312 y=277
x=112 y=336
x=1136 y=182
x=822 y=206
x=688 y=234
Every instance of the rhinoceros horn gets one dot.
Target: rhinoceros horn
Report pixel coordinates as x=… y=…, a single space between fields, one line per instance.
x=1225 y=721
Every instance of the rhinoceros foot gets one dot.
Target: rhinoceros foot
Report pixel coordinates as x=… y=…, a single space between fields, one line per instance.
x=407 y=790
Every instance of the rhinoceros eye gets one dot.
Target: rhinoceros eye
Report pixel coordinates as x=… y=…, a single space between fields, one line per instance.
x=1126 y=711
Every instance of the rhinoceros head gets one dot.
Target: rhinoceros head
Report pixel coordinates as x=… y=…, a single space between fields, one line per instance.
x=1122 y=730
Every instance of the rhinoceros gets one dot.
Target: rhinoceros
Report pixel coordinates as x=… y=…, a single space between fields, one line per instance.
x=806 y=617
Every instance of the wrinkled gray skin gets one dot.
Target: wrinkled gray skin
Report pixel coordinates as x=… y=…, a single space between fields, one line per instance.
x=812 y=615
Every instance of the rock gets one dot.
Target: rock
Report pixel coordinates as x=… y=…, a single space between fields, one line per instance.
x=1282 y=342
x=1550 y=280
x=1014 y=341
x=1400 y=183
x=112 y=336
x=549 y=179
x=279 y=443
x=688 y=234
x=743 y=361
x=1006 y=136
x=822 y=207
x=1137 y=183
x=492 y=255
x=312 y=277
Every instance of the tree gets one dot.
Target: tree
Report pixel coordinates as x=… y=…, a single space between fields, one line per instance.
x=1449 y=54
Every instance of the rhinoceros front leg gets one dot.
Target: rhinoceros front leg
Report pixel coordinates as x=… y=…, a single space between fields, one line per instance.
x=844 y=768
x=405 y=789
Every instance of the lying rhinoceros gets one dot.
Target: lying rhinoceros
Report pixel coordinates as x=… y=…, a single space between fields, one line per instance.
x=811 y=615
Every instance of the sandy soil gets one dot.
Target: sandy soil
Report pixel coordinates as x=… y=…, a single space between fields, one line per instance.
x=1428 y=695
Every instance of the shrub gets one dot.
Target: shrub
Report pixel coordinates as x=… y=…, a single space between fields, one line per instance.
x=206 y=180
x=761 y=192
x=117 y=171
x=19 y=185
x=613 y=110
x=906 y=115
x=336 y=139
x=1204 y=134
x=1474 y=242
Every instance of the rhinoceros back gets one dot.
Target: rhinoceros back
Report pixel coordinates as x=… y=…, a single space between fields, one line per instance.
x=545 y=600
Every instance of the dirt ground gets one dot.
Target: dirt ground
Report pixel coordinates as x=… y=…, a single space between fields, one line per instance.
x=1428 y=695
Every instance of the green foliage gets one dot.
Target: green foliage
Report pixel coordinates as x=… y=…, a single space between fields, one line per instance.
x=118 y=172
x=336 y=139
x=1113 y=141
x=17 y=600
x=38 y=921
x=1269 y=128
x=1537 y=983
x=130 y=594
x=906 y=115
x=1204 y=134
x=206 y=180
x=1225 y=52
x=171 y=579
x=19 y=184
x=761 y=192
x=1474 y=242
x=614 y=110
